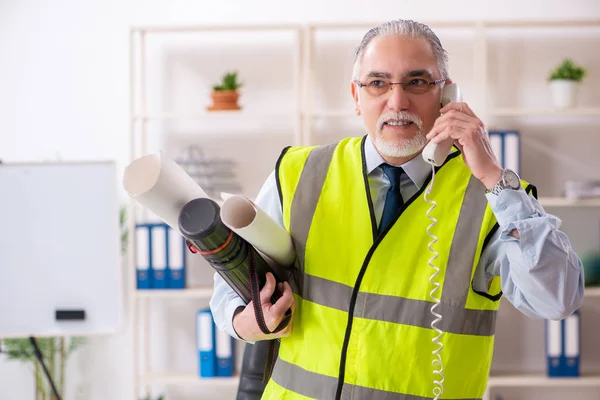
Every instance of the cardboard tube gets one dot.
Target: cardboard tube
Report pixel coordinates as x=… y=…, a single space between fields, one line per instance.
x=246 y=219
x=162 y=186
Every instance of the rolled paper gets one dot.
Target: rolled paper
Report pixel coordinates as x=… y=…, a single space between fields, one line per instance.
x=161 y=186
x=245 y=218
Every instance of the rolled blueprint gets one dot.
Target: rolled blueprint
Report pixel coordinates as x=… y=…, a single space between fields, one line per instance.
x=161 y=186
x=246 y=219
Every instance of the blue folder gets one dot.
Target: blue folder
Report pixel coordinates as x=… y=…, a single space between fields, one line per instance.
x=224 y=353
x=158 y=239
x=206 y=343
x=143 y=257
x=176 y=260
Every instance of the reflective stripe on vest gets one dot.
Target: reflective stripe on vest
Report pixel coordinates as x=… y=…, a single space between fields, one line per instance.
x=317 y=386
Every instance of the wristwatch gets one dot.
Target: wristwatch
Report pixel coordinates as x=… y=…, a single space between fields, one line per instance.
x=508 y=180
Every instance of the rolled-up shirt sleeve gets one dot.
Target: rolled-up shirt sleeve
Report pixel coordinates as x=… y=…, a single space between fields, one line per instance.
x=541 y=275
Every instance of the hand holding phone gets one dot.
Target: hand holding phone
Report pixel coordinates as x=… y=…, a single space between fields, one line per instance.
x=436 y=153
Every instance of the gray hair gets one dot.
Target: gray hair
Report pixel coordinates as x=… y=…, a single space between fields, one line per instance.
x=407 y=28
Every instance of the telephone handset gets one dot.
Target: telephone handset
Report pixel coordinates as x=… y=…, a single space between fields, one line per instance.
x=436 y=153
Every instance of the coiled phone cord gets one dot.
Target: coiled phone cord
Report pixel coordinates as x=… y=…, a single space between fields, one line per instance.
x=438 y=366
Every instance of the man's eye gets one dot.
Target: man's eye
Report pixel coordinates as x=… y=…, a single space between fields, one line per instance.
x=416 y=82
x=378 y=84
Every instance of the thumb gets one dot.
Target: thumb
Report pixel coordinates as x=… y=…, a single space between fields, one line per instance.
x=267 y=291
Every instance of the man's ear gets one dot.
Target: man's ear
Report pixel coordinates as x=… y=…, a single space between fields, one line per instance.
x=355 y=96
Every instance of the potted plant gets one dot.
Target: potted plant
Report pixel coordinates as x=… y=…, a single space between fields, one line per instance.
x=225 y=95
x=564 y=81
x=55 y=351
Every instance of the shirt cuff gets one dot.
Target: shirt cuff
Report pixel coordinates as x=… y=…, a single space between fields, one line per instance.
x=511 y=206
x=229 y=311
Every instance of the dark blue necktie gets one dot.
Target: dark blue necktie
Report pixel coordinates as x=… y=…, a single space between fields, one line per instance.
x=393 y=199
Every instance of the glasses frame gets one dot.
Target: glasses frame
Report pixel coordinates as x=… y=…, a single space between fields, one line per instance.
x=435 y=82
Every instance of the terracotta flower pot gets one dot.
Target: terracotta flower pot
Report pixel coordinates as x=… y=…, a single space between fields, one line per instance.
x=224 y=100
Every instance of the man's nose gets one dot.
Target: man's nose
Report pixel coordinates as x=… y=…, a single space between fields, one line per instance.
x=398 y=99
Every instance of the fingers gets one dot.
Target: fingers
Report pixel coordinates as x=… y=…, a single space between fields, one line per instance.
x=246 y=325
x=454 y=129
x=456 y=125
x=461 y=107
x=284 y=302
x=267 y=291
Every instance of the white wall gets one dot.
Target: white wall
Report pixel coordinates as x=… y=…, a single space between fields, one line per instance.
x=64 y=94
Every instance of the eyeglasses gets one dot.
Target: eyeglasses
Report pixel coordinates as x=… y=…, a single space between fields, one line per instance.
x=378 y=87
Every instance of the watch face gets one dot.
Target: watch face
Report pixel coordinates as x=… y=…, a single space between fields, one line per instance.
x=512 y=180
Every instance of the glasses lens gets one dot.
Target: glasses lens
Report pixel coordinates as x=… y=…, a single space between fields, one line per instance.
x=377 y=87
x=417 y=86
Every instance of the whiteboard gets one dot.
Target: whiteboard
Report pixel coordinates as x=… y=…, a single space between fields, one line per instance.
x=59 y=249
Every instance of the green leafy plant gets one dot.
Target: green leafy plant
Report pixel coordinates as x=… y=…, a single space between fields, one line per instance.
x=124 y=229
x=229 y=81
x=148 y=397
x=55 y=350
x=567 y=70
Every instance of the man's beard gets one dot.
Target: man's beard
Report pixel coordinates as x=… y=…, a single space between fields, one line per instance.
x=399 y=148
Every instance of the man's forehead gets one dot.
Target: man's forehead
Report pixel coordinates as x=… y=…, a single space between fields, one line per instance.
x=399 y=56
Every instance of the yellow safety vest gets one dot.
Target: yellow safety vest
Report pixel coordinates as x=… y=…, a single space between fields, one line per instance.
x=362 y=324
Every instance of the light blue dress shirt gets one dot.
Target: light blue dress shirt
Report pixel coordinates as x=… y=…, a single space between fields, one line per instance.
x=540 y=273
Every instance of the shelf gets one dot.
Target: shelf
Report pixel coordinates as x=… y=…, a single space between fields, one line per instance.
x=564 y=202
x=532 y=380
x=189 y=379
x=194 y=292
x=204 y=28
x=224 y=114
x=523 y=112
x=592 y=291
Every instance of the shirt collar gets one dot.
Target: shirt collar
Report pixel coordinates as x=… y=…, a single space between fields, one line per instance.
x=416 y=169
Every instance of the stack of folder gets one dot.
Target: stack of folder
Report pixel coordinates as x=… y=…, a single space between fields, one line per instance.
x=215 y=348
x=563 y=346
x=160 y=257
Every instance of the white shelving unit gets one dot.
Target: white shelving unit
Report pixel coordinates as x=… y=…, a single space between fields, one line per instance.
x=304 y=76
x=140 y=117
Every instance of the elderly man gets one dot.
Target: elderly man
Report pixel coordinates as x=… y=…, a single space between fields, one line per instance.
x=363 y=325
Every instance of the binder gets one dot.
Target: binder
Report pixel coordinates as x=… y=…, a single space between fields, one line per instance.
x=563 y=346
x=176 y=261
x=496 y=143
x=572 y=335
x=512 y=151
x=224 y=353
x=507 y=148
x=206 y=342
x=143 y=257
x=158 y=238
x=554 y=340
